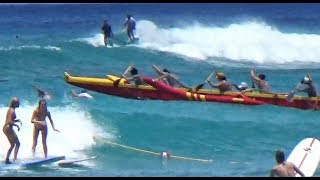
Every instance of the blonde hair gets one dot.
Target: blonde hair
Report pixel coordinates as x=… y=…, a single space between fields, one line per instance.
x=13 y=101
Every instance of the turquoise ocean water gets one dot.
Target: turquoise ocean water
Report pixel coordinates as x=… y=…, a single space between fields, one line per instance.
x=279 y=40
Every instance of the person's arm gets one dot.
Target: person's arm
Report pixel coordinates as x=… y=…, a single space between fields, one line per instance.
x=18 y=120
x=49 y=116
x=254 y=77
x=302 y=89
x=160 y=73
x=125 y=23
x=161 y=77
x=214 y=85
x=298 y=170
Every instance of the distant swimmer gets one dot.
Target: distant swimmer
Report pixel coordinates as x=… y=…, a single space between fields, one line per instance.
x=107 y=32
x=8 y=129
x=41 y=93
x=130 y=25
x=82 y=94
x=261 y=81
x=283 y=168
x=39 y=120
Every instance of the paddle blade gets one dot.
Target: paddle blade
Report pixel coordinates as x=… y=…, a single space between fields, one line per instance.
x=116 y=82
x=199 y=86
x=290 y=96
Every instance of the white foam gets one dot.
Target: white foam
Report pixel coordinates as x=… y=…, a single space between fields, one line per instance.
x=29 y=47
x=252 y=41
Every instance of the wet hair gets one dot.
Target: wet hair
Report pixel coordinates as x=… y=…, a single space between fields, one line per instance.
x=222 y=78
x=280 y=156
x=166 y=70
x=129 y=16
x=262 y=76
x=83 y=91
x=13 y=102
x=40 y=101
x=134 y=71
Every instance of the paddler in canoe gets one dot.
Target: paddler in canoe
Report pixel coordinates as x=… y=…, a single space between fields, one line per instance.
x=168 y=77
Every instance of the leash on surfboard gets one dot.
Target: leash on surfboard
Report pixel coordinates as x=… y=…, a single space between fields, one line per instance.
x=163 y=154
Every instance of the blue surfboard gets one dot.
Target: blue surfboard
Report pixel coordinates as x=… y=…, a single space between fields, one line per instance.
x=34 y=162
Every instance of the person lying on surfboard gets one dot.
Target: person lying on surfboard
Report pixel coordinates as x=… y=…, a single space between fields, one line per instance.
x=8 y=129
x=82 y=94
x=260 y=80
x=283 y=168
x=42 y=93
x=168 y=77
x=39 y=120
x=223 y=84
x=310 y=88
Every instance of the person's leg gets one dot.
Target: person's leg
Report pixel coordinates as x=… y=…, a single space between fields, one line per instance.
x=16 y=149
x=35 y=138
x=44 y=142
x=105 y=40
x=12 y=142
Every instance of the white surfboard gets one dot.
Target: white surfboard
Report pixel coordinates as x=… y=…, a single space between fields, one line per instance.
x=306 y=156
x=71 y=162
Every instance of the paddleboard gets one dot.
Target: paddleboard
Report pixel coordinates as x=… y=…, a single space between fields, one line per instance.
x=72 y=162
x=306 y=156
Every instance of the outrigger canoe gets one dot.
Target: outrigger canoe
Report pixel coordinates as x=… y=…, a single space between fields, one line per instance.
x=105 y=85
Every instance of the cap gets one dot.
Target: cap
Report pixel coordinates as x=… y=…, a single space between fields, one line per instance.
x=220 y=75
x=243 y=85
x=306 y=79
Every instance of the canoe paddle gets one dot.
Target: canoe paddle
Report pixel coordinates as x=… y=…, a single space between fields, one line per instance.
x=205 y=82
x=116 y=82
x=290 y=96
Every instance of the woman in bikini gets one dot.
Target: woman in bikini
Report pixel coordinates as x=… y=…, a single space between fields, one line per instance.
x=39 y=119
x=8 y=129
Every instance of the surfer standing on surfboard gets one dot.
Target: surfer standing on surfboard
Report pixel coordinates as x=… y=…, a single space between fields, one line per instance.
x=39 y=119
x=107 y=32
x=283 y=168
x=8 y=129
x=130 y=24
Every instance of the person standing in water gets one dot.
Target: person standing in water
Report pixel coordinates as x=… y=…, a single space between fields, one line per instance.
x=283 y=168
x=8 y=129
x=39 y=119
